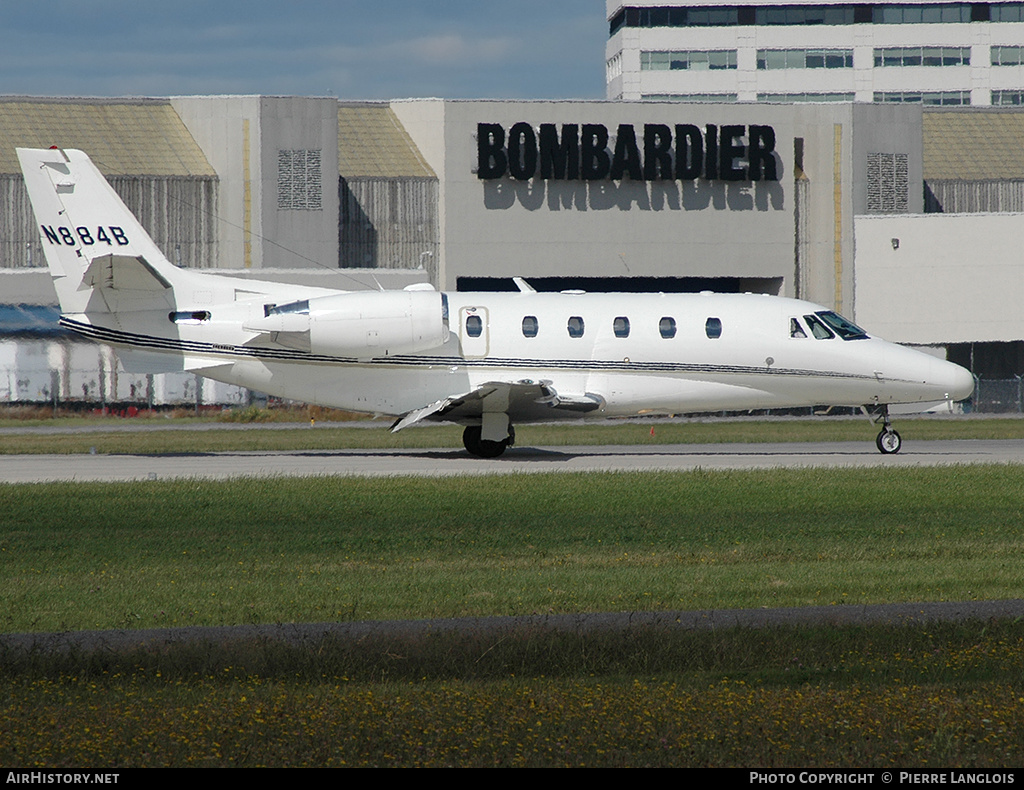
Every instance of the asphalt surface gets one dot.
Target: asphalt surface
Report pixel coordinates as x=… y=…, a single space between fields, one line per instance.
x=451 y=461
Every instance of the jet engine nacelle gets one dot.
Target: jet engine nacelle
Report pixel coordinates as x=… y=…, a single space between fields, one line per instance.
x=376 y=323
x=363 y=324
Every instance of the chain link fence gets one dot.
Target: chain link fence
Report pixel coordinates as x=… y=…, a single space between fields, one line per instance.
x=998 y=396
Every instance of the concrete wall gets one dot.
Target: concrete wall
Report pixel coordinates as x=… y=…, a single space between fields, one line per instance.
x=242 y=137
x=941 y=278
x=630 y=228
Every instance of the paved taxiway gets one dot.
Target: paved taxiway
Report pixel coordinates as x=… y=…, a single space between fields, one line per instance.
x=452 y=461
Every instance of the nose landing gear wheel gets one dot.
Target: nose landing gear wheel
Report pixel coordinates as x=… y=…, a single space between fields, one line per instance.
x=888 y=441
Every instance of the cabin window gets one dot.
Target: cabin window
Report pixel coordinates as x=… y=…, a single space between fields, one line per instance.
x=847 y=330
x=795 y=330
x=667 y=327
x=474 y=326
x=713 y=328
x=621 y=326
x=188 y=316
x=575 y=326
x=818 y=329
x=530 y=326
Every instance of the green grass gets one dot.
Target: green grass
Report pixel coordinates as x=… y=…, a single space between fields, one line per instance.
x=167 y=553
x=182 y=436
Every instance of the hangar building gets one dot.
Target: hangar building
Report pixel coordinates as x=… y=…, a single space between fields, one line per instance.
x=904 y=217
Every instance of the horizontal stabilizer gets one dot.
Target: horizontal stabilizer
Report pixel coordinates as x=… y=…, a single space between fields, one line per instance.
x=123 y=273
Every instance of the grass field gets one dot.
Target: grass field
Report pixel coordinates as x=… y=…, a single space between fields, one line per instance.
x=77 y=556
x=166 y=553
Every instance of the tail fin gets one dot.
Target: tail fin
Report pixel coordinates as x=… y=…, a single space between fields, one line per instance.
x=100 y=257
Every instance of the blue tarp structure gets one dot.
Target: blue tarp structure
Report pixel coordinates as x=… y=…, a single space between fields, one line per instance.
x=30 y=320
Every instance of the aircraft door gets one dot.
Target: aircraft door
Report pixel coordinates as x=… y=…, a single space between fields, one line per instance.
x=474 y=331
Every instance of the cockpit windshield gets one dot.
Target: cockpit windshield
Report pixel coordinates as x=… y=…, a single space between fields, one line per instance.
x=847 y=330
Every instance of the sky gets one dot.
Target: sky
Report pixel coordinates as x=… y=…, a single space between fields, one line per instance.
x=374 y=49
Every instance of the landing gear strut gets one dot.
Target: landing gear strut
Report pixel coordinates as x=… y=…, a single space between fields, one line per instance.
x=888 y=441
x=483 y=448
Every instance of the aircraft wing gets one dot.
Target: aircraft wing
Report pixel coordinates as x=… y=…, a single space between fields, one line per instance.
x=521 y=400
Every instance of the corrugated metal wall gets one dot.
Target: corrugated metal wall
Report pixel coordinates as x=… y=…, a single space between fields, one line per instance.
x=178 y=212
x=972 y=197
x=388 y=223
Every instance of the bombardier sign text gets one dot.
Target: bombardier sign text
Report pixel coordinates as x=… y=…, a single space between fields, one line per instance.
x=658 y=151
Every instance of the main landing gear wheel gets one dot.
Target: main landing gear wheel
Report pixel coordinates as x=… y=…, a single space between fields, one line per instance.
x=888 y=441
x=483 y=448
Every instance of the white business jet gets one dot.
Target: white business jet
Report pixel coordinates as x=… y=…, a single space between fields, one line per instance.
x=483 y=360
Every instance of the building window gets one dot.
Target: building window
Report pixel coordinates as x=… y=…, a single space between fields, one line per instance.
x=1006 y=12
x=575 y=326
x=676 y=17
x=689 y=60
x=667 y=327
x=912 y=14
x=705 y=98
x=621 y=326
x=935 y=99
x=613 y=67
x=805 y=98
x=922 y=56
x=804 y=15
x=1014 y=98
x=823 y=14
x=888 y=183
x=768 y=59
x=1007 y=56
x=530 y=326
x=299 y=182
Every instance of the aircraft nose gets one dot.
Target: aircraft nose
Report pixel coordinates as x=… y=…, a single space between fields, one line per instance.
x=959 y=382
x=928 y=378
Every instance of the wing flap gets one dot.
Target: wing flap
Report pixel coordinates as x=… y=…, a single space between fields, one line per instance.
x=518 y=399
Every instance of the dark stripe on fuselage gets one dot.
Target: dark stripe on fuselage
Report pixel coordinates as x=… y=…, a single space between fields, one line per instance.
x=118 y=337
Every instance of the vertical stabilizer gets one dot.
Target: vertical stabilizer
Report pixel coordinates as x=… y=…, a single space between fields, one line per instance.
x=100 y=257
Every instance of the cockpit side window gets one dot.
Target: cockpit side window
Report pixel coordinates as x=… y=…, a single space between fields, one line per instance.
x=818 y=329
x=795 y=330
x=847 y=330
